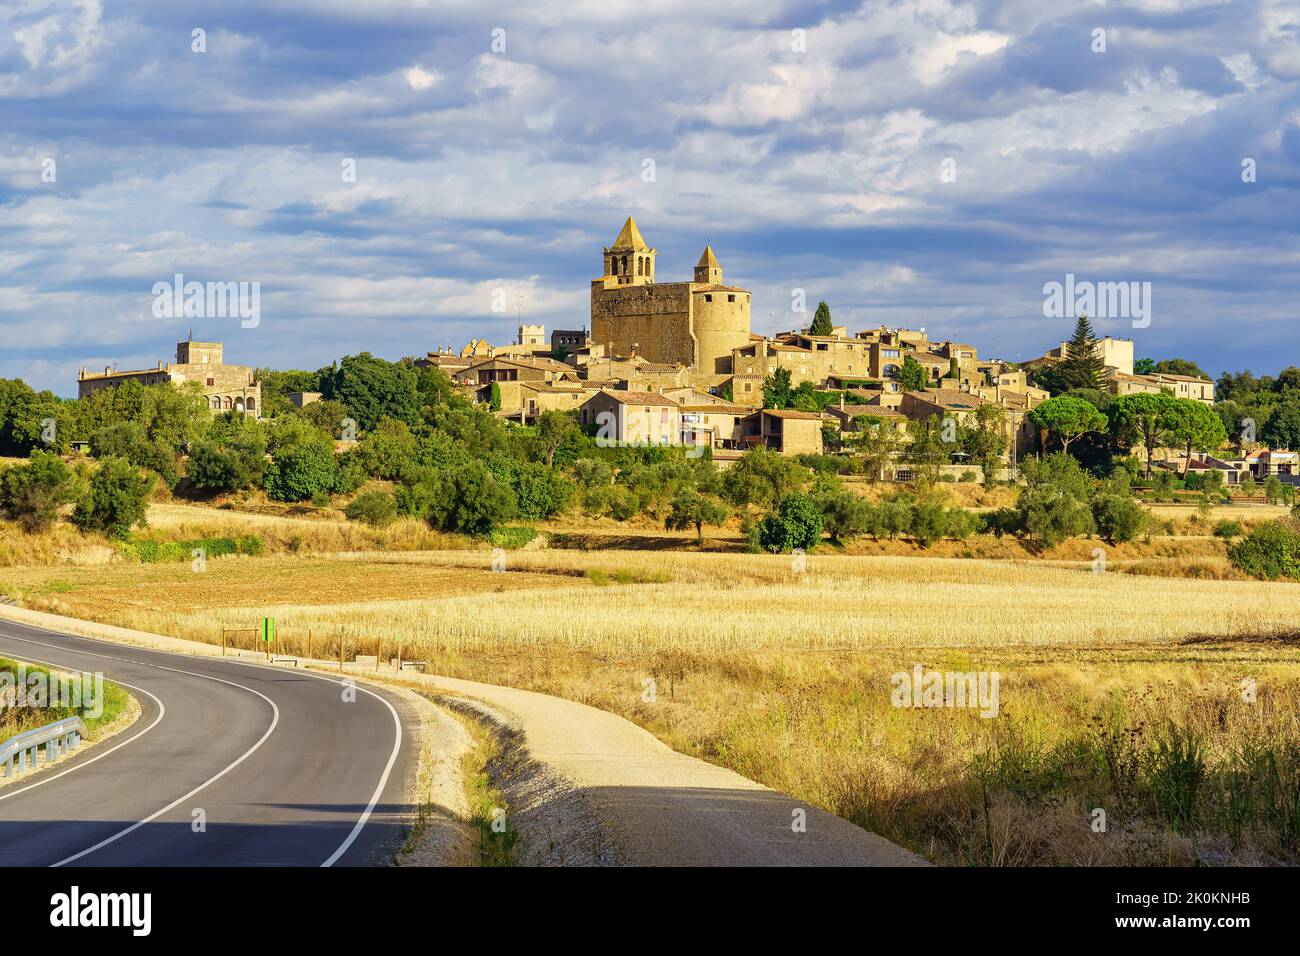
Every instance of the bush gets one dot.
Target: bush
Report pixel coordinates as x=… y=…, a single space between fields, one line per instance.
x=541 y=491
x=302 y=470
x=1118 y=518
x=117 y=500
x=511 y=537
x=375 y=508
x=797 y=524
x=1049 y=516
x=471 y=500
x=32 y=494
x=1271 y=551
x=1227 y=529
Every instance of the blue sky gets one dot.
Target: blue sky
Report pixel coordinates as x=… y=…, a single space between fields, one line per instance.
x=810 y=160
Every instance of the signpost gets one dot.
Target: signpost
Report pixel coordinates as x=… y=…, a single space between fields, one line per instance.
x=268 y=634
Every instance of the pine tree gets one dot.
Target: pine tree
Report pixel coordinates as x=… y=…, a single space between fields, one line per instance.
x=821 y=323
x=1081 y=365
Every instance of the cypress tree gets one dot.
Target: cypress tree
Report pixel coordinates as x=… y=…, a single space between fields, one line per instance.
x=1081 y=366
x=821 y=323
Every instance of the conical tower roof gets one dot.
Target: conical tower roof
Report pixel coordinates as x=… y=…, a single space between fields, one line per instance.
x=708 y=260
x=630 y=238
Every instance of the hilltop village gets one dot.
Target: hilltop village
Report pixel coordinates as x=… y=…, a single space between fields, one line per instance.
x=677 y=363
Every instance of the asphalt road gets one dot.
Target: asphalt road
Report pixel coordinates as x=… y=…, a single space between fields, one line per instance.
x=285 y=771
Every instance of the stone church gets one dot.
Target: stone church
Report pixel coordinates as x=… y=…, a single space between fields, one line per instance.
x=696 y=324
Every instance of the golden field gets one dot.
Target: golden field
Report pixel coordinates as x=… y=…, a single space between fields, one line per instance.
x=1118 y=691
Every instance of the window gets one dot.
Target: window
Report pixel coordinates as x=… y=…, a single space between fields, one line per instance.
x=211 y=382
x=708 y=297
x=731 y=298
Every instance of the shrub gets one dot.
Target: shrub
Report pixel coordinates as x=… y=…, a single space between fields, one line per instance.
x=797 y=524
x=471 y=500
x=1049 y=516
x=1227 y=529
x=32 y=494
x=1271 y=550
x=511 y=537
x=302 y=470
x=375 y=508
x=1118 y=518
x=117 y=500
x=541 y=491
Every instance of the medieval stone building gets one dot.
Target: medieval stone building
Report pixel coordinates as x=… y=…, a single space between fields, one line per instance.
x=696 y=324
x=226 y=387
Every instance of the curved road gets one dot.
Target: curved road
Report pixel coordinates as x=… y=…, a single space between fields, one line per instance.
x=286 y=772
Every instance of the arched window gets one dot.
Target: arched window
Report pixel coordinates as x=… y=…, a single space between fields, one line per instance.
x=649 y=266
x=252 y=404
x=216 y=403
x=640 y=266
x=225 y=403
x=890 y=371
x=613 y=265
x=625 y=272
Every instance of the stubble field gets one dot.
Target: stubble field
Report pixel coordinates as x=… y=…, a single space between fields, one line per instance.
x=1168 y=703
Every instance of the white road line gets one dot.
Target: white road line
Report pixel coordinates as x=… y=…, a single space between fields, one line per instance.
x=7 y=793
x=374 y=799
x=275 y=720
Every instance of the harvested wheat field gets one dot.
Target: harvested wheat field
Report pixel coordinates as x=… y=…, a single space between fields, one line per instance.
x=1117 y=691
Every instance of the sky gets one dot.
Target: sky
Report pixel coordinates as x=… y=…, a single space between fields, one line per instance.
x=917 y=164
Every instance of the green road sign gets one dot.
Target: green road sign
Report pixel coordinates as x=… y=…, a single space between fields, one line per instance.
x=268 y=629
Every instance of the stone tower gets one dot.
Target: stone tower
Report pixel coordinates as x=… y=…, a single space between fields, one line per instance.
x=708 y=270
x=695 y=324
x=629 y=261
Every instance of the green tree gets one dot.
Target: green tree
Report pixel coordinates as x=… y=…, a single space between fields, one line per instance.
x=845 y=514
x=878 y=442
x=796 y=524
x=692 y=509
x=986 y=443
x=471 y=500
x=376 y=508
x=1271 y=550
x=553 y=428
x=1177 y=366
x=1081 y=365
x=387 y=449
x=494 y=396
x=777 y=392
x=303 y=469
x=372 y=389
x=1118 y=518
x=821 y=323
x=1067 y=418
x=1282 y=430
x=118 y=499
x=1144 y=415
x=912 y=375
x=762 y=477
x=1194 y=425
x=33 y=493
x=927 y=452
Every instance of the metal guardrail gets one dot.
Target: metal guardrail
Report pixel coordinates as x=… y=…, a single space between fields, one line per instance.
x=62 y=736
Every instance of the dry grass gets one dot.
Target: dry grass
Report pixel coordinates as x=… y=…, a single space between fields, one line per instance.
x=784 y=676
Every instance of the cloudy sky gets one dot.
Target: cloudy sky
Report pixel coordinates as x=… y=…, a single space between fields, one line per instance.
x=919 y=163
